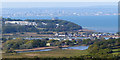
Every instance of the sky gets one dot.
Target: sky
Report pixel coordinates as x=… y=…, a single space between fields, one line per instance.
x=55 y=4
x=59 y=0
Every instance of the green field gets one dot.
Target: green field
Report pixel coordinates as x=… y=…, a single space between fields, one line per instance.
x=116 y=51
x=47 y=54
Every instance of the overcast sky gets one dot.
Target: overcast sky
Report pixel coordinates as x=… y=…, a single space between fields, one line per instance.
x=60 y=0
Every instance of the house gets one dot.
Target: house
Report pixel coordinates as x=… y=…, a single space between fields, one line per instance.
x=21 y=23
x=55 y=18
x=48 y=44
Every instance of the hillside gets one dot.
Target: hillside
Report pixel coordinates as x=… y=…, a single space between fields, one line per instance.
x=42 y=25
x=105 y=49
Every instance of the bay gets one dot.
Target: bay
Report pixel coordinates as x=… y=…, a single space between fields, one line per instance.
x=97 y=23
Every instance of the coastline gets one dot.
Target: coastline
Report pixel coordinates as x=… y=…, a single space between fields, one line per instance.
x=40 y=48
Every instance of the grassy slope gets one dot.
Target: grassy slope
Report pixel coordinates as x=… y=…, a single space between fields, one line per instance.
x=116 y=51
x=45 y=54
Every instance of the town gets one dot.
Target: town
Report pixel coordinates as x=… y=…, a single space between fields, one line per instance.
x=67 y=35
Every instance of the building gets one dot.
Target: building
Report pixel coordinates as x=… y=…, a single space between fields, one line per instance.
x=55 y=18
x=48 y=44
x=21 y=23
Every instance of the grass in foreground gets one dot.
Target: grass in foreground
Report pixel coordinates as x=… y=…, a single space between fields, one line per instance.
x=116 y=51
x=47 y=54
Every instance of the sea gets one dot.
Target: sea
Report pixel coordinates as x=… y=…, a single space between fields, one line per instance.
x=107 y=24
x=107 y=21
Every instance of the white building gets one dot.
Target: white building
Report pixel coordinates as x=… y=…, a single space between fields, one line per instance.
x=21 y=22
